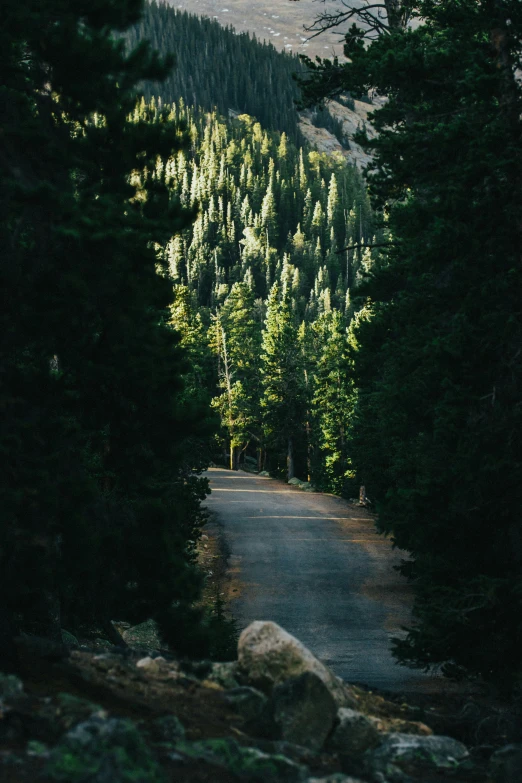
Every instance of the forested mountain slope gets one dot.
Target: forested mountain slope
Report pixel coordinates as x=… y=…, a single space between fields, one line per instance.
x=262 y=284
x=264 y=205
x=277 y=21
x=217 y=68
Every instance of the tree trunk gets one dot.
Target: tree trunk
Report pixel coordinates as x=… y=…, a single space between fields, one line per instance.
x=308 y=451
x=399 y=13
x=290 y=459
x=233 y=457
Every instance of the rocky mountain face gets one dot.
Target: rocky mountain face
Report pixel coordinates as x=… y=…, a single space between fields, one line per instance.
x=275 y=714
x=352 y=120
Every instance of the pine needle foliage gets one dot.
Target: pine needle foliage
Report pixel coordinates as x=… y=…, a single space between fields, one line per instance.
x=100 y=508
x=263 y=261
x=438 y=363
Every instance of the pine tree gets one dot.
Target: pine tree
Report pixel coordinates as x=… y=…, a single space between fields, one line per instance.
x=438 y=363
x=332 y=405
x=282 y=377
x=98 y=495
x=236 y=340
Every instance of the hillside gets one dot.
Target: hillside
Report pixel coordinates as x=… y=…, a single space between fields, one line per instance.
x=278 y=21
x=231 y=70
x=266 y=259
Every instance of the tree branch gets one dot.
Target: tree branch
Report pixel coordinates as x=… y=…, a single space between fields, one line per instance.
x=379 y=17
x=365 y=244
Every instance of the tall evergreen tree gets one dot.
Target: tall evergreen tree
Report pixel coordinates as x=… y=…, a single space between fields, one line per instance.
x=99 y=507
x=333 y=399
x=236 y=339
x=438 y=364
x=283 y=396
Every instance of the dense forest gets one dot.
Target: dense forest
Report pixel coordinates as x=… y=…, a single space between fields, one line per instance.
x=264 y=270
x=219 y=69
x=100 y=502
x=411 y=389
x=180 y=285
x=436 y=430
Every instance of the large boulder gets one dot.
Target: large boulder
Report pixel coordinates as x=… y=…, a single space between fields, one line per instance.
x=269 y=655
x=144 y=636
x=304 y=710
x=224 y=674
x=403 y=757
x=354 y=733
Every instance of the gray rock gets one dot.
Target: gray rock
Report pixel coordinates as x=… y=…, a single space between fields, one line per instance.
x=304 y=710
x=505 y=765
x=403 y=757
x=269 y=655
x=69 y=640
x=169 y=728
x=150 y=665
x=144 y=635
x=103 y=751
x=10 y=686
x=224 y=674
x=254 y=708
x=244 y=762
x=37 y=749
x=354 y=733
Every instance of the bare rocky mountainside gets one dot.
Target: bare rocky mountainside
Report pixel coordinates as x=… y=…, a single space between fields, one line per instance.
x=275 y=714
x=283 y=23
x=352 y=121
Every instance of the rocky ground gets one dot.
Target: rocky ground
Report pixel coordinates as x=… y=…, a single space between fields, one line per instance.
x=352 y=121
x=275 y=714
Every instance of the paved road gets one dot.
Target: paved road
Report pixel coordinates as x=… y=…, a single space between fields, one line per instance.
x=313 y=564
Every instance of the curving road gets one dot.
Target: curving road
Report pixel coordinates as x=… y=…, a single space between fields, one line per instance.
x=313 y=563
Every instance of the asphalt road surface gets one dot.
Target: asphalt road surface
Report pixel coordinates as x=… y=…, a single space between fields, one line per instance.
x=313 y=563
